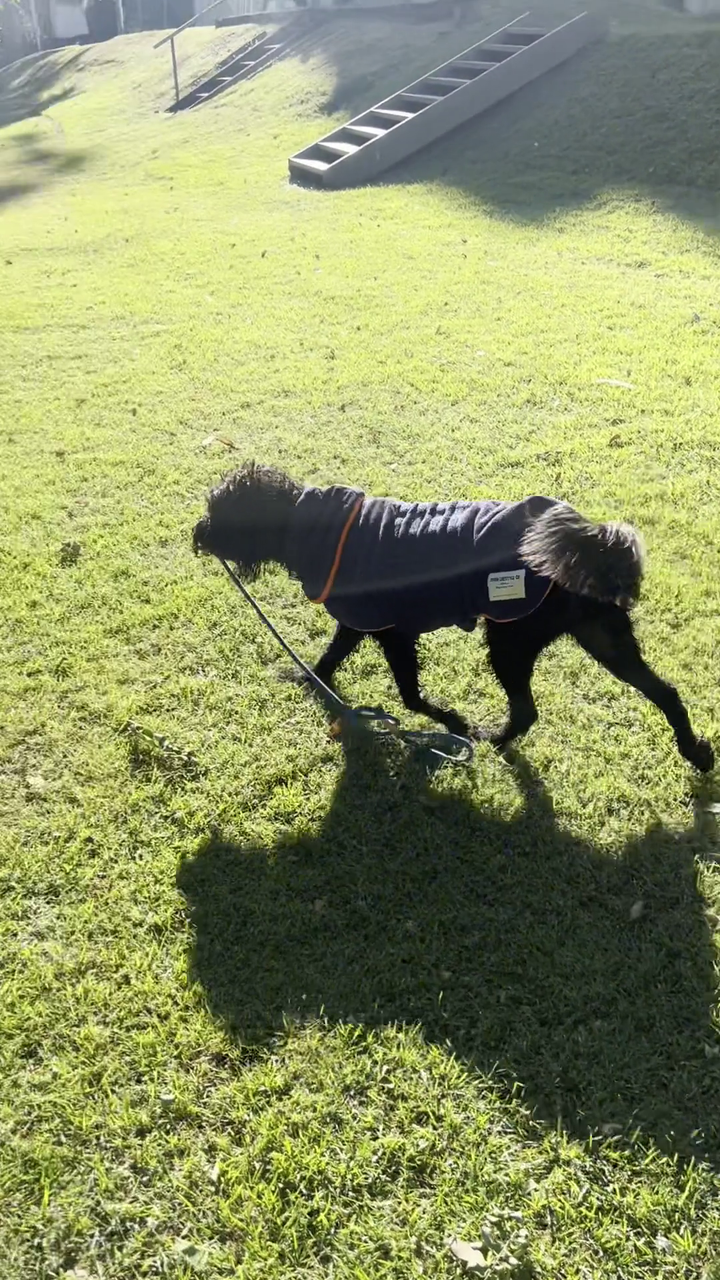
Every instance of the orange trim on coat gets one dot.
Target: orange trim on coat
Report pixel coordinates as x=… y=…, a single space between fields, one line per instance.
x=338 y=554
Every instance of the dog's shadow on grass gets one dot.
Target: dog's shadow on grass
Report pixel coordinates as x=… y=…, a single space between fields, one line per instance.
x=510 y=942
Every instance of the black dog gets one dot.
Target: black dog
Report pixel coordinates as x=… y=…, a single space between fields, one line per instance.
x=533 y=570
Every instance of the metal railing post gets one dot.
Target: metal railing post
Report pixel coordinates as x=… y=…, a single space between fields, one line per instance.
x=175 y=70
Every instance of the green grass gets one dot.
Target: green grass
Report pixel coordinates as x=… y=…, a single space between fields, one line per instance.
x=271 y=1009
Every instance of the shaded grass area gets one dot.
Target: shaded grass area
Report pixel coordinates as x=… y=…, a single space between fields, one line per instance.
x=483 y=946
x=37 y=154
x=372 y=63
x=639 y=111
x=33 y=161
x=34 y=84
x=271 y=1009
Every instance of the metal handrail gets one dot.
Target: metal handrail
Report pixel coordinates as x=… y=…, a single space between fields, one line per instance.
x=190 y=22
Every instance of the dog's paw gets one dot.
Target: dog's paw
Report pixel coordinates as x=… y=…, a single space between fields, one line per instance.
x=476 y=733
x=703 y=756
x=457 y=726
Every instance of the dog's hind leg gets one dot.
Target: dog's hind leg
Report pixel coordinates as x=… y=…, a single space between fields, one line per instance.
x=401 y=653
x=606 y=634
x=344 y=642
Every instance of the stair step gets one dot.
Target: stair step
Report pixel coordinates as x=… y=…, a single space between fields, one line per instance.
x=505 y=50
x=392 y=114
x=312 y=166
x=339 y=148
x=463 y=63
x=427 y=98
x=365 y=130
x=452 y=81
x=264 y=53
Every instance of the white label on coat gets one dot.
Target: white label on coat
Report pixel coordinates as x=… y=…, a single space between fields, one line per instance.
x=507 y=586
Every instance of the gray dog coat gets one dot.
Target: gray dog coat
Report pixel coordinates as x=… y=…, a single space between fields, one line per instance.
x=377 y=563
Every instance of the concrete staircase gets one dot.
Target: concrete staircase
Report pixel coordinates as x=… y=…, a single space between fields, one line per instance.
x=247 y=61
x=441 y=100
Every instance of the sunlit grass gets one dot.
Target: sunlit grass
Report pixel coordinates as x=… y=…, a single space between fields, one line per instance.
x=274 y=1011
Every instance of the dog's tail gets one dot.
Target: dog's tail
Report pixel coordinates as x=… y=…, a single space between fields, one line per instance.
x=604 y=561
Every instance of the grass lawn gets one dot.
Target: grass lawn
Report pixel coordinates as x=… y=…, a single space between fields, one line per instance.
x=269 y=1008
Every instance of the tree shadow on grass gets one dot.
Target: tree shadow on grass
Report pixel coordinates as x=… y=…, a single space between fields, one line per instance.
x=376 y=51
x=641 y=113
x=33 y=85
x=32 y=158
x=510 y=941
x=30 y=163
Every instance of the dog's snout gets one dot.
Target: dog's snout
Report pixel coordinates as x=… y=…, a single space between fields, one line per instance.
x=201 y=534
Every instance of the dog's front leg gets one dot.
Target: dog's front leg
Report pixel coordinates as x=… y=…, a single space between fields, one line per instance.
x=344 y=642
x=401 y=653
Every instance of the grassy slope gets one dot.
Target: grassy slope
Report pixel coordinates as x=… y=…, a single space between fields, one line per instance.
x=443 y=333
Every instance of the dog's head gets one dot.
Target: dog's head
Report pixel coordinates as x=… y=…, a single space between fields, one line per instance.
x=247 y=517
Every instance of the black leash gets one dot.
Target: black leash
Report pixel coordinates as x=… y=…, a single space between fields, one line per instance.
x=447 y=746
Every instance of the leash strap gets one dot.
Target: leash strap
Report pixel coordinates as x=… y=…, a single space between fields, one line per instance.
x=447 y=746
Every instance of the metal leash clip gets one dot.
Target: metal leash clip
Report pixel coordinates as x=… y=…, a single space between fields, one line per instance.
x=446 y=746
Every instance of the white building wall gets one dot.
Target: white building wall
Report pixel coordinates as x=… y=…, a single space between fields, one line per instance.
x=68 y=19
x=700 y=8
